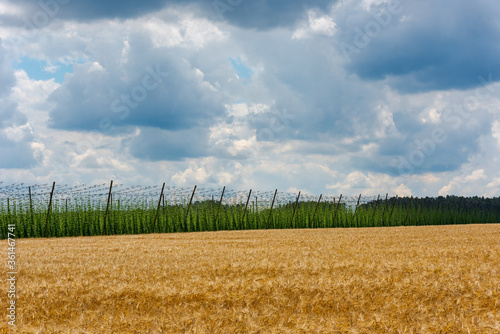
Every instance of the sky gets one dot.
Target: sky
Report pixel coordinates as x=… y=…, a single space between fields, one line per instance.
x=326 y=97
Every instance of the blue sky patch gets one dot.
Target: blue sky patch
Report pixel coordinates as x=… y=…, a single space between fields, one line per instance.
x=244 y=72
x=40 y=70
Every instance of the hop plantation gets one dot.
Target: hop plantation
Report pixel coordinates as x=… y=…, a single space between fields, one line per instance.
x=51 y=210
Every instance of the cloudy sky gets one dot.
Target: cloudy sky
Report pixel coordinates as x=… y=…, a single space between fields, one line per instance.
x=341 y=96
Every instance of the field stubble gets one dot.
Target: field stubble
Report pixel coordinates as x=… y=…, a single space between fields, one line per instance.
x=429 y=279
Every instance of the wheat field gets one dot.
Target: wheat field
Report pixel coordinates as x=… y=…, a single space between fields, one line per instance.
x=430 y=279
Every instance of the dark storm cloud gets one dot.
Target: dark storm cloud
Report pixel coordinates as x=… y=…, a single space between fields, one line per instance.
x=89 y=10
x=424 y=45
x=312 y=98
x=155 y=144
x=265 y=14
x=258 y=14
x=159 y=92
x=16 y=154
x=9 y=115
x=442 y=146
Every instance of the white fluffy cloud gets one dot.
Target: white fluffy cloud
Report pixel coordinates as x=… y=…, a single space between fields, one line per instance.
x=316 y=24
x=18 y=146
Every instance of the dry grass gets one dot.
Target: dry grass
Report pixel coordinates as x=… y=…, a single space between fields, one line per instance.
x=442 y=279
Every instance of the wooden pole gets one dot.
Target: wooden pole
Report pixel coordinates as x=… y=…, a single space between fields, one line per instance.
x=356 y=208
x=315 y=209
x=421 y=210
x=488 y=212
x=385 y=208
x=437 y=208
x=374 y=210
x=475 y=211
x=187 y=211
x=271 y=211
x=48 y=211
x=257 y=218
x=395 y=200
x=337 y=209
x=8 y=210
x=31 y=211
x=212 y=208
x=459 y=210
x=295 y=206
x=107 y=207
x=498 y=215
x=158 y=208
x=408 y=212
x=218 y=208
x=451 y=211
x=245 y=210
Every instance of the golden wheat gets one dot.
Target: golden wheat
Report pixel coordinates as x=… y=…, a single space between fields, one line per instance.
x=433 y=279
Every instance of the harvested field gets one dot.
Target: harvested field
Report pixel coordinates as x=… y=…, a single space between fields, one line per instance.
x=430 y=279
